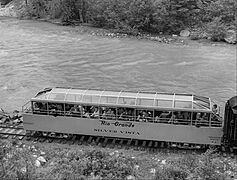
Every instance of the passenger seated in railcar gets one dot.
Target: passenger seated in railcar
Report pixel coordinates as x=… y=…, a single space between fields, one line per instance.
x=215 y=109
x=179 y=117
x=186 y=118
x=173 y=118
x=157 y=119
x=131 y=115
x=39 y=108
x=36 y=106
x=150 y=116
x=197 y=119
x=157 y=116
x=74 y=111
x=96 y=113
x=85 y=111
x=204 y=120
x=124 y=115
x=144 y=116
x=110 y=114
x=165 y=116
x=141 y=117
x=201 y=119
x=55 y=109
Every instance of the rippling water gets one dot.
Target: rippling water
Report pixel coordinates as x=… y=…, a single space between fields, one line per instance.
x=35 y=55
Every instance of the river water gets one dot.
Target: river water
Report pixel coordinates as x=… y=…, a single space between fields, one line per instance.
x=35 y=55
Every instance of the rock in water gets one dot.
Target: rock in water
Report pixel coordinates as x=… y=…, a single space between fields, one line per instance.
x=230 y=36
x=184 y=33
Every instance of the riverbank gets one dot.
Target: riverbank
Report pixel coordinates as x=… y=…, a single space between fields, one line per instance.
x=20 y=10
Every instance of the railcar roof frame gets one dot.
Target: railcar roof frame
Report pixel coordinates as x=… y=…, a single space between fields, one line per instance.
x=157 y=96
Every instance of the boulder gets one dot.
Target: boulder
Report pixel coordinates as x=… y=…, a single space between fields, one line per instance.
x=37 y=163
x=136 y=167
x=163 y=162
x=41 y=159
x=42 y=153
x=184 y=33
x=230 y=36
x=23 y=170
x=153 y=171
x=130 y=177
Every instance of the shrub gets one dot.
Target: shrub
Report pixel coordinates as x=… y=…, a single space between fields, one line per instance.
x=36 y=8
x=171 y=172
x=217 y=30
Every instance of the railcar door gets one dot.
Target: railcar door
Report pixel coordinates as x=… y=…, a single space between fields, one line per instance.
x=230 y=122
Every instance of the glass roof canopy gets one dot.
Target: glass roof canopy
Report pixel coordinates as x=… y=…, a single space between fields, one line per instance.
x=187 y=102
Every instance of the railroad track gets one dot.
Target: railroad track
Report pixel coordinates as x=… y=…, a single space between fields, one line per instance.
x=109 y=142
x=14 y=131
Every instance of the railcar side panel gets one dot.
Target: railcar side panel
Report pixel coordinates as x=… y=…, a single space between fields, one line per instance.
x=124 y=129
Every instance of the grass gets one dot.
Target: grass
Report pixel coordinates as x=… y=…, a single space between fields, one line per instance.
x=93 y=162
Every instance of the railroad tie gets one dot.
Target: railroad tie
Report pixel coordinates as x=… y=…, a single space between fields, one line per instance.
x=150 y=144
x=129 y=142
x=97 y=140
x=81 y=140
x=5 y=130
x=162 y=145
x=114 y=141
x=11 y=131
x=90 y=139
x=105 y=142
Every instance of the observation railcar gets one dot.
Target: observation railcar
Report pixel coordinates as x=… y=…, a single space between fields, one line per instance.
x=164 y=117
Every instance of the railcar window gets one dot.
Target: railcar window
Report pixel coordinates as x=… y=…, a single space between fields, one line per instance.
x=144 y=115
x=108 y=100
x=198 y=106
x=57 y=96
x=203 y=101
x=164 y=103
x=126 y=114
x=182 y=104
x=91 y=99
x=73 y=97
x=39 y=108
x=125 y=100
x=145 y=102
x=56 y=109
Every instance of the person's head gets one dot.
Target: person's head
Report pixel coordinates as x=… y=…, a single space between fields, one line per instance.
x=215 y=106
